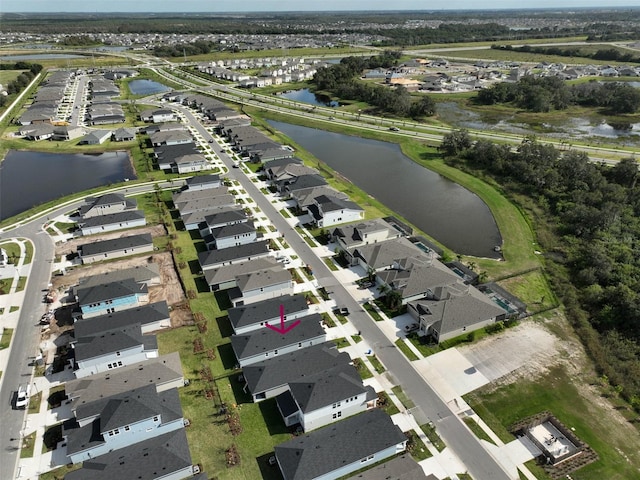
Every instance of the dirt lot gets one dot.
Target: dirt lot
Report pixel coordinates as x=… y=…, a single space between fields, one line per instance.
x=532 y=349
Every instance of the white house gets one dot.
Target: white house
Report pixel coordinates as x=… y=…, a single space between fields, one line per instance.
x=326 y=397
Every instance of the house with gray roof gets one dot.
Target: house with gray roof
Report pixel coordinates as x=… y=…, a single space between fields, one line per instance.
x=402 y=467
x=106 y=204
x=366 y=232
x=227 y=256
x=267 y=155
x=170 y=138
x=124 y=134
x=232 y=235
x=186 y=196
x=223 y=278
x=264 y=343
x=222 y=219
x=454 y=310
x=194 y=220
x=277 y=173
x=203 y=182
x=151 y=317
x=329 y=210
x=67 y=132
x=108 y=297
x=147 y=274
x=282 y=161
x=325 y=397
x=158 y=115
x=165 y=456
x=270 y=378
x=37 y=131
x=300 y=182
x=165 y=127
x=341 y=448
x=206 y=204
x=112 y=349
x=261 y=285
x=195 y=162
x=112 y=222
x=164 y=372
x=96 y=137
x=248 y=318
x=115 y=248
x=305 y=197
x=381 y=255
x=121 y=420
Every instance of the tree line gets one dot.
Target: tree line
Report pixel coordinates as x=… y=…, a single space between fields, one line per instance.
x=543 y=94
x=607 y=54
x=589 y=219
x=342 y=81
x=22 y=80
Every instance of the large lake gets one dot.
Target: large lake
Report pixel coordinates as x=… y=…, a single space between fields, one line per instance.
x=443 y=209
x=28 y=179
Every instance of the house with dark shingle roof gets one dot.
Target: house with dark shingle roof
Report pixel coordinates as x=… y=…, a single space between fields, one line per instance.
x=232 y=235
x=121 y=420
x=106 y=204
x=228 y=256
x=109 y=297
x=164 y=372
x=261 y=285
x=115 y=248
x=193 y=221
x=222 y=219
x=158 y=115
x=341 y=448
x=349 y=237
x=325 y=397
x=147 y=274
x=111 y=349
x=151 y=317
x=265 y=343
x=186 y=196
x=402 y=467
x=297 y=183
x=124 y=134
x=206 y=204
x=112 y=222
x=203 y=182
x=248 y=318
x=454 y=310
x=270 y=378
x=223 y=278
x=329 y=210
x=381 y=255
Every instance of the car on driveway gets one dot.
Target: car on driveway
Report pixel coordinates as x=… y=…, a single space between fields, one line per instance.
x=412 y=327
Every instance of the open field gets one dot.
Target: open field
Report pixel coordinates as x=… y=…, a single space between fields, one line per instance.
x=292 y=52
x=7 y=76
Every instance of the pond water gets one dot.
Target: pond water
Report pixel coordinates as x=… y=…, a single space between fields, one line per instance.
x=38 y=56
x=453 y=114
x=31 y=178
x=307 y=96
x=443 y=209
x=147 y=87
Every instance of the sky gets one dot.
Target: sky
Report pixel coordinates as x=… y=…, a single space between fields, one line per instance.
x=34 y=6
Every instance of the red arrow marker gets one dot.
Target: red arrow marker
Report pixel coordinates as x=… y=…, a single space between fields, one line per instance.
x=282 y=329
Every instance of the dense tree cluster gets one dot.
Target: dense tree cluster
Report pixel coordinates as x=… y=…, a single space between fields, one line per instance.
x=594 y=212
x=542 y=94
x=607 y=54
x=22 y=80
x=199 y=47
x=342 y=81
x=78 y=40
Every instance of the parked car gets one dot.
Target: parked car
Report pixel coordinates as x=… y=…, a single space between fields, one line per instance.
x=411 y=327
x=394 y=129
x=22 y=400
x=344 y=311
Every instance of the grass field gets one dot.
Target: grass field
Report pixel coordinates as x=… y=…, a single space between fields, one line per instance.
x=7 y=76
x=557 y=393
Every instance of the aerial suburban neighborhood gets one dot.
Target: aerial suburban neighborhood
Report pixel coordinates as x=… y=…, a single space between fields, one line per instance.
x=315 y=246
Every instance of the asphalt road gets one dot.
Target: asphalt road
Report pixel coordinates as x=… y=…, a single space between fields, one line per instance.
x=24 y=344
x=456 y=435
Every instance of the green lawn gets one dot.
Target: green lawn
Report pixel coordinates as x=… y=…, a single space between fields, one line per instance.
x=416 y=447
x=533 y=289
x=617 y=446
x=7 y=76
x=406 y=401
x=5 y=340
x=386 y=404
x=372 y=311
x=477 y=429
x=34 y=403
x=402 y=346
x=376 y=364
x=28 y=445
x=430 y=431
x=341 y=342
